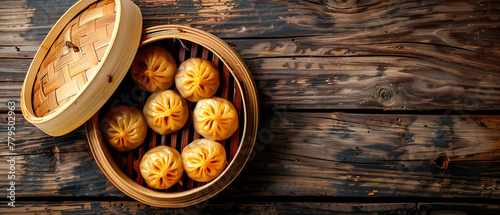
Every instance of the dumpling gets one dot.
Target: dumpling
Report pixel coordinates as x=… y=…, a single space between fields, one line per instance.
x=124 y=128
x=215 y=118
x=161 y=167
x=197 y=79
x=204 y=159
x=153 y=69
x=166 y=112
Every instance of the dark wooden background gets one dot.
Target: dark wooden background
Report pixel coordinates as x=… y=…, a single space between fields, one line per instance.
x=362 y=102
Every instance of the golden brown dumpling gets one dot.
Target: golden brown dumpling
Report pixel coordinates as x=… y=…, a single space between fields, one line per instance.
x=204 y=159
x=161 y=167
x=215 y=118
x=166 y=112
x=124 y=128
x=153 y=69
x=197 y=79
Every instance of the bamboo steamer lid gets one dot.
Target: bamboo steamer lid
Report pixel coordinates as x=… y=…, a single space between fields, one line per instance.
x=80 y=64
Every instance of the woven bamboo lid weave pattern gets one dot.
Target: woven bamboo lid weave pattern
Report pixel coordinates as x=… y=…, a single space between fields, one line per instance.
x=73 y=57
x=80 y=64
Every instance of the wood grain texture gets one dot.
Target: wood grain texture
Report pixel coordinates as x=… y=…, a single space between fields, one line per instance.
x=11 y=91
x=304 y=154
x=371 y=83
x=219 y=206
x=374 y=155
x=391 y=55
x=13 y=70
x=313 y=54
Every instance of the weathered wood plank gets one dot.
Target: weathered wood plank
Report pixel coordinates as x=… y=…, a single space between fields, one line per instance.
x=14 y=70
x=374 y=155
x=340 y=83
x=236 y=19
x=303 y=154
x=219 y=206
x=390 y=55
x=10 y=91
x=390 y=83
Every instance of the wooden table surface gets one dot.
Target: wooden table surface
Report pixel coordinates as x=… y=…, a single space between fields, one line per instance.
x=368 y=106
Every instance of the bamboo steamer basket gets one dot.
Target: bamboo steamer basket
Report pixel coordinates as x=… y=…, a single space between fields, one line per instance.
x=80 y=64
x=237 y=85
x=81 y=68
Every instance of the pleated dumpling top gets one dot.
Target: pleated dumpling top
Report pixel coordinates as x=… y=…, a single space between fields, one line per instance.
x=124 y=128
x=161 y=167
x=204 y=159
x=196 y=79
x=153 y=69
x=166 y=112
x=215 y=118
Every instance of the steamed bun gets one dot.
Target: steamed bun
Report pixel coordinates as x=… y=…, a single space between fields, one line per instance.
x=196 y=79
x=166 y=112
x=161 y=167
x=153 y=69
x=204 y=159
x=124 y=128
x=215 y=118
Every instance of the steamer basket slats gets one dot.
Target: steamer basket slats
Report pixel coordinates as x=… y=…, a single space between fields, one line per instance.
x=183 y=43
x=235 y=138
x=185 y=130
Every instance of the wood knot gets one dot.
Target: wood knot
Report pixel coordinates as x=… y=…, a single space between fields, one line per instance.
x=406 y=137
x=71 y=45
x=442 y=162
x=385 y=94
